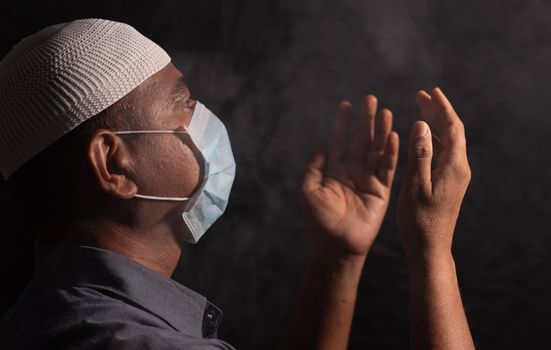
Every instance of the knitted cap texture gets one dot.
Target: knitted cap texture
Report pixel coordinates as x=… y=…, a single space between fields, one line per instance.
x=64 y=74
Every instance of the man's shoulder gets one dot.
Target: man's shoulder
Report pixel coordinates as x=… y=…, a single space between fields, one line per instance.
x=85 y=317
x=109 y=335
x=49 y=303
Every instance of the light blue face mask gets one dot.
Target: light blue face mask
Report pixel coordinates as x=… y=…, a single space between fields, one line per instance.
x=209 y=201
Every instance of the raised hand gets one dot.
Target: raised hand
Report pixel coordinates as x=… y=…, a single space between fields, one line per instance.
x=347 y=184
x=437 y=177
x=346 y=189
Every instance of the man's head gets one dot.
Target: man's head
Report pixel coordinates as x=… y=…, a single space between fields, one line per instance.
x=88 y=174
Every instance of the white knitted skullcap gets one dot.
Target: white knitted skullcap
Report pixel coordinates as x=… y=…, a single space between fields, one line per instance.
x=57 y=78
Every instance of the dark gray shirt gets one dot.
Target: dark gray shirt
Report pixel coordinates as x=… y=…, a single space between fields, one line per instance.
x=89 y=298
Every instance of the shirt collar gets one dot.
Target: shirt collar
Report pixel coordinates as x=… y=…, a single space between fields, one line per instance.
x=180 y=307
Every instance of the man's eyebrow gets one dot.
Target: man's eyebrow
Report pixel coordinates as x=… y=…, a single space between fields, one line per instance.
x=180 y=91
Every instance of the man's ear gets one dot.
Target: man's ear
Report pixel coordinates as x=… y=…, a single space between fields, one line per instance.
x=111 y=164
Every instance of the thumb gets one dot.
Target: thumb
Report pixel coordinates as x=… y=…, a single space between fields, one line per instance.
x=418 y=174
x=314 y=172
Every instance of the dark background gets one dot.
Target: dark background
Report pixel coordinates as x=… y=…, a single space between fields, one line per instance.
x=274 y=71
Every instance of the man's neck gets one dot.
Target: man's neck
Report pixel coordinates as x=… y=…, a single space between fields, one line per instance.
x=156 y=249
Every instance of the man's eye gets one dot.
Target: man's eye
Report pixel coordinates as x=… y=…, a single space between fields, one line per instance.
x=190 y=102
x=186 y=103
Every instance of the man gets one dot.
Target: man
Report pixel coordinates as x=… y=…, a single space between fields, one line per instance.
x=116 y=166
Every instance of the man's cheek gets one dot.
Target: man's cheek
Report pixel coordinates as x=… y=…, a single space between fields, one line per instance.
x=188 y=171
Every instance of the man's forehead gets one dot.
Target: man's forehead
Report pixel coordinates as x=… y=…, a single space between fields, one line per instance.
x=171 y=83
x=169 y=76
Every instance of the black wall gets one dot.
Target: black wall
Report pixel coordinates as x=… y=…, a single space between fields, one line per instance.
x=274 y=71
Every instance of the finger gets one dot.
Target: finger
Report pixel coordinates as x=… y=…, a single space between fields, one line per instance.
x=450 y=123
x=339 y=138
x=428 y=112
x=363 y=134
x=383 y=126
x=387 y=169
x=438 y=112
x=313 y=176
x=444 y=107
x=418 y=175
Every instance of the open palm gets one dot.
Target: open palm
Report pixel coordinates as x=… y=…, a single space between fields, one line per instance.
x=347 y=184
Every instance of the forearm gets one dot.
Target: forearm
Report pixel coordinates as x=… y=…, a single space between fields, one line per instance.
x=438 y=320
x=323 y=312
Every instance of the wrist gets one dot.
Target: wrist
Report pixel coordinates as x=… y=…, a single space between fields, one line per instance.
x=336 y=264
x=327 y=250
x=430 y=260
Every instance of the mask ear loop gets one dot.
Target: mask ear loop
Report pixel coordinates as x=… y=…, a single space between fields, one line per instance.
x=156 y=198
x=172 y=199
x=126 y=132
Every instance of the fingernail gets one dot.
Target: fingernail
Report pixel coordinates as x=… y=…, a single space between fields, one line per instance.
x=420 y=129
